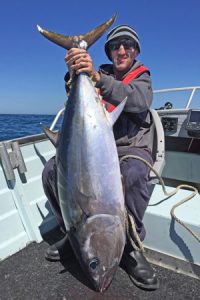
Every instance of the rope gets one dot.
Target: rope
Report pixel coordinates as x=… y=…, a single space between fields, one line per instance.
x=169 y=194
x=130 y=223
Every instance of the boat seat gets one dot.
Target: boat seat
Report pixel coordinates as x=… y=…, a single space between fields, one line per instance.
x=158 y=146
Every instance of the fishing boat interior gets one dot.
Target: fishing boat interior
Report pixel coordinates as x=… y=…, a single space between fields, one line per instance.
x=172 y=220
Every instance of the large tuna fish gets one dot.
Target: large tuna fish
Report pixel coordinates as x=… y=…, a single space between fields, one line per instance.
x=89 y=182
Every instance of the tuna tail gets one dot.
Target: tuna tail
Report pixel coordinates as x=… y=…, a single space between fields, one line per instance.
x=68 y=42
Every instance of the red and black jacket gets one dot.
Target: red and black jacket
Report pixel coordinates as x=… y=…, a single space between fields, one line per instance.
x=132 y=75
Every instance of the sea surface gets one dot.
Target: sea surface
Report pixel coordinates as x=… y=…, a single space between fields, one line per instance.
x=14 y=126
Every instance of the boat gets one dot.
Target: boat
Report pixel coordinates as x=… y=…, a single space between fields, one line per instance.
x=172 y=239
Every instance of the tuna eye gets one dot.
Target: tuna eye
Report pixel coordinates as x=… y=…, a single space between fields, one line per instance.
x=93 y=263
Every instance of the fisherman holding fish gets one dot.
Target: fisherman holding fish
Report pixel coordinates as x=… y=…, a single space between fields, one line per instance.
x=124 y=77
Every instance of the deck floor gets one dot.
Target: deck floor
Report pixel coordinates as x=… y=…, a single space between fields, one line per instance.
x=28 y=276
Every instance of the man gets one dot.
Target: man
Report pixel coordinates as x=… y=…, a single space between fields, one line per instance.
x=125 y=77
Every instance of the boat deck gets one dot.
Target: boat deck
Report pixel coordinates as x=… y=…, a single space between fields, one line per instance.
x=27 y=275
x=25 y=216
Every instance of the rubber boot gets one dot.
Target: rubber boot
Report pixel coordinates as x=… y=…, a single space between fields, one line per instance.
x=139 y=270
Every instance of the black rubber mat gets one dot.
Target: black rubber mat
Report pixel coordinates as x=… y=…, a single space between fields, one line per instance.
x=28 y=276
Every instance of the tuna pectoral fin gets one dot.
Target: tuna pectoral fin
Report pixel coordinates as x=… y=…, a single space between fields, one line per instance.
x=114 y=115
x=53 y=136
x=84 y=201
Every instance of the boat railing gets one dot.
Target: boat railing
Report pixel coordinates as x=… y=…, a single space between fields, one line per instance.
x=193 y=89
x=57 y=117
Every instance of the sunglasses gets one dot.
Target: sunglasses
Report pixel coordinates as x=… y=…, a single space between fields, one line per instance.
x=127 y=44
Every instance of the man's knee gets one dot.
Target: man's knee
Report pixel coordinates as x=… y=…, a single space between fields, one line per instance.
x=134 y=172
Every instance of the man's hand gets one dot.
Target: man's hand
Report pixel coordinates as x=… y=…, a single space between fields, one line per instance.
x=79 y=61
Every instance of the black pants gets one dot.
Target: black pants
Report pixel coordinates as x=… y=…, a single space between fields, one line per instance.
x=136 y=180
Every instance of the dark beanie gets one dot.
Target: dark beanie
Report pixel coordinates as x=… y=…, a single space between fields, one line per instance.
x=121 y=31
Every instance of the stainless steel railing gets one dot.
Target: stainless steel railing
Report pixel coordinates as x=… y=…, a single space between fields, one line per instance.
x=193 y=90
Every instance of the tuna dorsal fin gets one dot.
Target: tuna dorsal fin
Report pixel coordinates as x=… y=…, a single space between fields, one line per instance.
x=114 y=115
x=68 y=42
x=53 y=136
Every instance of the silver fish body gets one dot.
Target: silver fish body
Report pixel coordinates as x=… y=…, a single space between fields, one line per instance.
x=89 y=183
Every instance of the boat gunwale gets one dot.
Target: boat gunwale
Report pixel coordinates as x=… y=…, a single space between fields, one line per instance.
x=26 y=140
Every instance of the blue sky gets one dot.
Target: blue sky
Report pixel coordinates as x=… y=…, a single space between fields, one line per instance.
x=32 y=68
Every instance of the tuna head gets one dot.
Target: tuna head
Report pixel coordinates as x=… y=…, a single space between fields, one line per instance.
x=98 y=245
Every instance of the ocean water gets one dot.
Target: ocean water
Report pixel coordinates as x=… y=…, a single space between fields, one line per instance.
x=14 y=126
